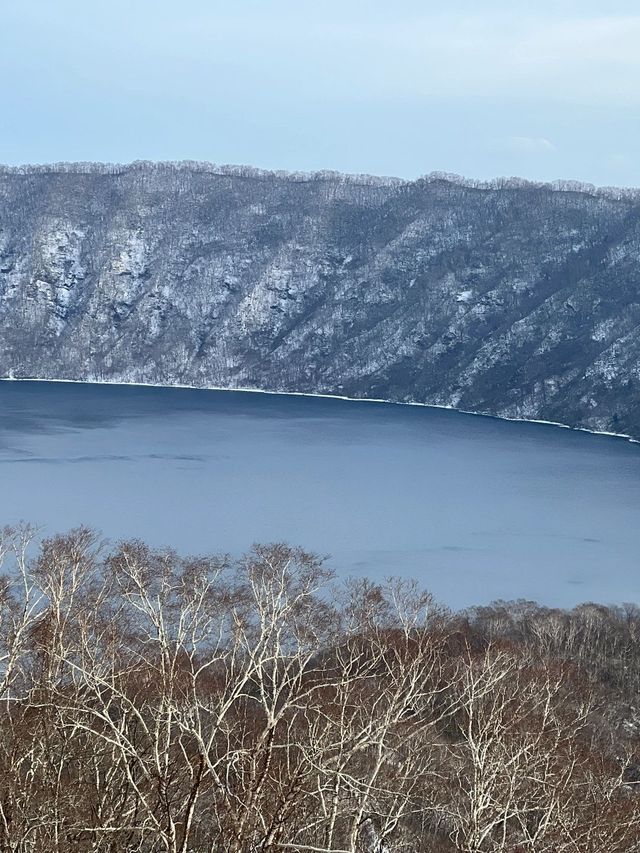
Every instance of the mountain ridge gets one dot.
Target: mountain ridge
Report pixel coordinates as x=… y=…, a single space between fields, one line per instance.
x=245 y=170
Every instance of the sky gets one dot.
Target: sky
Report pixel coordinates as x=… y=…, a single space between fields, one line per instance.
x=544 y=90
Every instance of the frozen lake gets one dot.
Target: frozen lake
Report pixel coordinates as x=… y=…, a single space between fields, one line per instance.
x=475 y=508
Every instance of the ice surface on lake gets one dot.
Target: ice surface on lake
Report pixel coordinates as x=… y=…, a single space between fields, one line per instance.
x=476 y=508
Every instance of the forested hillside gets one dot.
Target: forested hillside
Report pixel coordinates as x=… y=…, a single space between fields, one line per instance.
x=509 y=298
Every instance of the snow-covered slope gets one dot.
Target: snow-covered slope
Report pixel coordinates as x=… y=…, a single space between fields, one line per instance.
x=510 y=298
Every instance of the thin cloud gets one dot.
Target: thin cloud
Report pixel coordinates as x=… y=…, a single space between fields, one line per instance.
x=213 y=50
x=529 y=144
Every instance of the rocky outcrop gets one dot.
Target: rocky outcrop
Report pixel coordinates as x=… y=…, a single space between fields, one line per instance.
x=509 y=298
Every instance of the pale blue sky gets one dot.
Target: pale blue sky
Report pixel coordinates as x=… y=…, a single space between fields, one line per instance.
x=540 y=89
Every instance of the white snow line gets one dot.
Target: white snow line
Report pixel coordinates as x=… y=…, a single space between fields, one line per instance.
x=326 y=397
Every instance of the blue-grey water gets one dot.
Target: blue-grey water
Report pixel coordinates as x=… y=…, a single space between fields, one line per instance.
x=475 y=508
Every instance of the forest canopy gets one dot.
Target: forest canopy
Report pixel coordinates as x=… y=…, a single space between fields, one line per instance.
x=154 y=702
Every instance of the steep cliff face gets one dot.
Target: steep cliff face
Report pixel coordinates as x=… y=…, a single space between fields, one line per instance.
x=516 y=300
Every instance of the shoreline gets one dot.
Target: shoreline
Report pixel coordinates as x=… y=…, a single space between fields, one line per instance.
x=558 y=424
